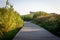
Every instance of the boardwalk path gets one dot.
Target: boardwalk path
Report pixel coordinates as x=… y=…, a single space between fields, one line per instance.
x=31 y=31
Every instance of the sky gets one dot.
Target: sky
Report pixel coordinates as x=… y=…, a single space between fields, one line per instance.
x=25 y=6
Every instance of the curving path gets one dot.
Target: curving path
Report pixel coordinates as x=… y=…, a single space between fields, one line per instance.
x=31 y=31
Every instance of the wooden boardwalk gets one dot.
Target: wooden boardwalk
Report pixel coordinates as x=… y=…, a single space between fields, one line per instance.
x=31 y=31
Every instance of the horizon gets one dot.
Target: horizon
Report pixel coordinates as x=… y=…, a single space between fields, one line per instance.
x=25 y=6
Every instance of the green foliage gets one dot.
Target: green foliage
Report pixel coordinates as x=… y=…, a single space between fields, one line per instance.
x=27 y=17
x=9 y=35
x=51 y=22
x=9 y=20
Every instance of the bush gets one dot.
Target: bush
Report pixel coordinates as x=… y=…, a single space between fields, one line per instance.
x=51 y=22
x=28 y=17
x=9 y=20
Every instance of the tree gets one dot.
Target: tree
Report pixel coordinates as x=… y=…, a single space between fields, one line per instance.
x=8 y=5
x=9 y=19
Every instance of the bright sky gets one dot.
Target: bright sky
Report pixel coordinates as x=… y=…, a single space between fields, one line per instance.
x=25 y=6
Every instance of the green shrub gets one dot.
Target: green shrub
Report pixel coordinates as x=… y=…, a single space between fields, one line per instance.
x=27 y=17
x=51 y=22
x=9 y=20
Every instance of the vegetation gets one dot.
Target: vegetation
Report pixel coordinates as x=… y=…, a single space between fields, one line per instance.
x=50 y=22
x=28 y=17
x=10 y=23
x=9 y=20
